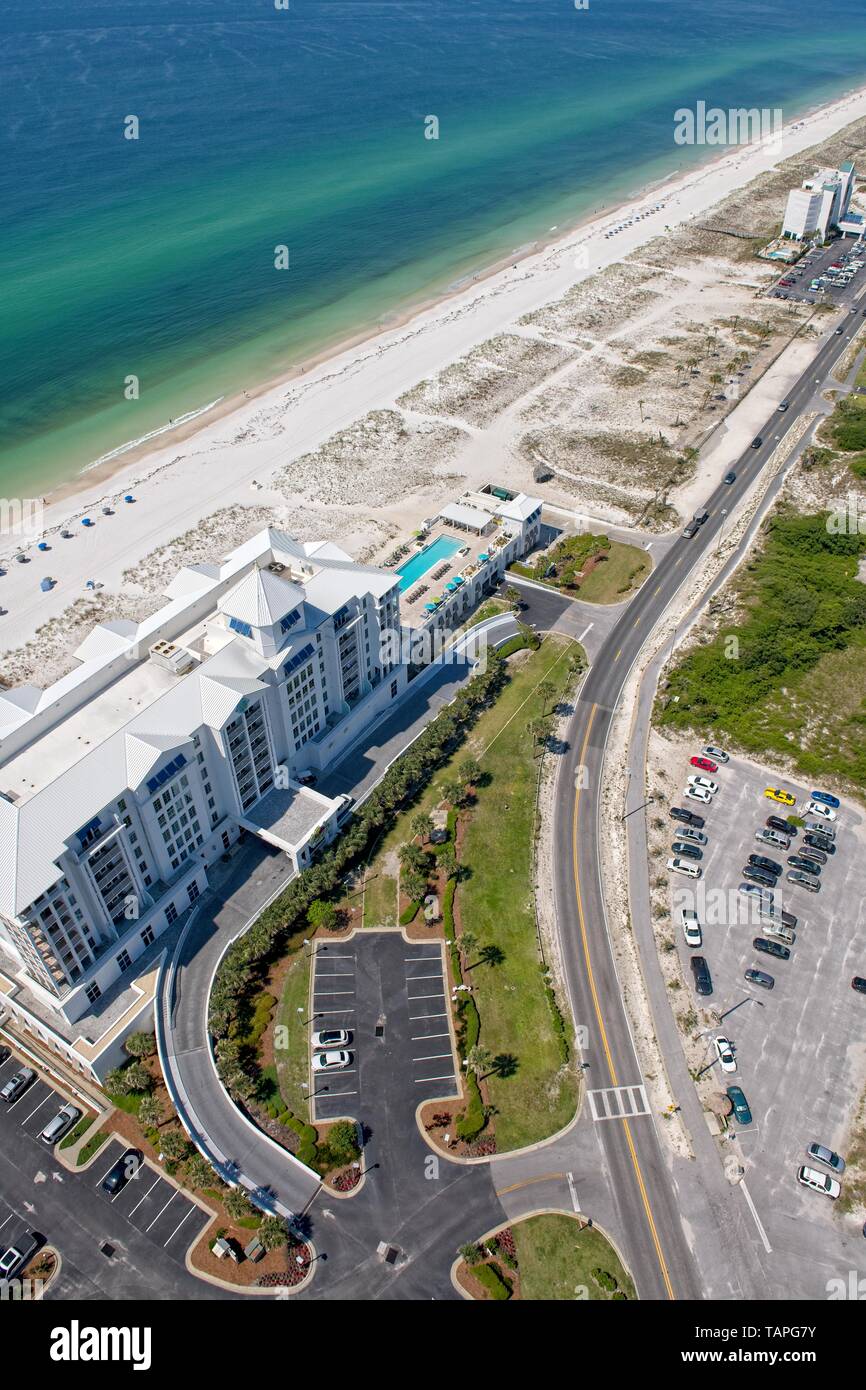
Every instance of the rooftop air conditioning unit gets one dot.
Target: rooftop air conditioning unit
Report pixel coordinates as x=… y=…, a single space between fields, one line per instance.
x=172 y=658
x=276 y=567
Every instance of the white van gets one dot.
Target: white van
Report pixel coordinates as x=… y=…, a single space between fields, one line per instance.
x=684 y=866
x=819 y=1182
x=778 y=932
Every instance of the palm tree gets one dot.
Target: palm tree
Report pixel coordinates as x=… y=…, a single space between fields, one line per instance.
x=470 y=771
x=468 y=941
x=478 y=1059
x=546 y=691
x=421 y=826
x=150 y=1112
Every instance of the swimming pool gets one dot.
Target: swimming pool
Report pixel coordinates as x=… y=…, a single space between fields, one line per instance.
x=411 y=572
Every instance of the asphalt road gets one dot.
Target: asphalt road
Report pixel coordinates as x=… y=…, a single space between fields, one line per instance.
x=660 y=1256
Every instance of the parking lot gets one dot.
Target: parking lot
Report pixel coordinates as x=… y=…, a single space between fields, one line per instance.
x=796 y=281
x=151 y=1203
x=389 y=995
x=798 y=1047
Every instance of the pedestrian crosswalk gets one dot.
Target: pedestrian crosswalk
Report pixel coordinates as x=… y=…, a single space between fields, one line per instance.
x=618 y=1102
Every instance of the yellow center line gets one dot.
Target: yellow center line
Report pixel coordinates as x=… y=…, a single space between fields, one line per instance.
x=527 y=1182
x=602 y=1030
x=618 y=655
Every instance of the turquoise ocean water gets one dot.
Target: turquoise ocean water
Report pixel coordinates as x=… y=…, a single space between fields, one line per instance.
x=261 y=127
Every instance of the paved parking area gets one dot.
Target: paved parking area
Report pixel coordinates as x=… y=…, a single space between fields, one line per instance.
x=35 y=1106
x=159 y=1209
x=799 y=1047
x=815 y=266
x=389 y=994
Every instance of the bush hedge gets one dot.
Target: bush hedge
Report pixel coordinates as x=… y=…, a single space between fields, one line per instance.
x=491 y=1278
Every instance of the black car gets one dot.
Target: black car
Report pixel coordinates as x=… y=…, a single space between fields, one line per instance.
x=758 y=441
x=783 y=826
x=729 y=478
x=686 y=850
x=701 y=972
x=818 y=841
x=771 y=948
x=759 y=876
x=808 y=866
x=687 y=817
x=761 y=861
x=859 y=984
x=760 y=977
x=119 y=1173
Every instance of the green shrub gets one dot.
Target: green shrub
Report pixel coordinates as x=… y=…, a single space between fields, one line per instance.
x=76 y=1132
x=409 y=914
x=491 y=1278
x=93 y=1145
x=604 y=1280
x=473 y=1119
x=448 y=909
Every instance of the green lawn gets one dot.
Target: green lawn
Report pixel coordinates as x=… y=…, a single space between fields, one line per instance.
x=557 y=1259
x=624 y=570
x=495 y=901
x=293 y=1059
x=380 y=896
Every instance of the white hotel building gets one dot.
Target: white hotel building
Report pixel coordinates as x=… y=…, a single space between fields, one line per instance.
x=121 y=783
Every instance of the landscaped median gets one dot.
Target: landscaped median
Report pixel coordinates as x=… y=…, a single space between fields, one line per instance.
x=469 y=841
x=543 y=1258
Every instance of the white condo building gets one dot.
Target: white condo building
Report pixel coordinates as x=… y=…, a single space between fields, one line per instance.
x=121 y=783
x=820 y=204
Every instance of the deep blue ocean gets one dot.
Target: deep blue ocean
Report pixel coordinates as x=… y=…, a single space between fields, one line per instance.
x=304 y=127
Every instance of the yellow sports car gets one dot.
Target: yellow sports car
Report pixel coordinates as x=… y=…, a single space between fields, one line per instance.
x=776 y=794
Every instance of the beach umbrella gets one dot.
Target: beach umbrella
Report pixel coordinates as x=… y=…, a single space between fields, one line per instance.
x=85 y=521
x=129 y=497
x=45 y=585
x=43 y=545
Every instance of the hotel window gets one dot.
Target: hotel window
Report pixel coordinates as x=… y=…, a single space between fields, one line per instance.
x=393 y=689
x=237 y=625
x=93 y=992
x=171 y=914
x=192 y=892
x=148 y=936
x=124 y=960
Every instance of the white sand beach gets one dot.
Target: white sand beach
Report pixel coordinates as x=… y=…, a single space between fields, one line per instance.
x=363 y=445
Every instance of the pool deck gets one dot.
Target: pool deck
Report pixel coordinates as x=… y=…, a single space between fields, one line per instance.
x=412 y=610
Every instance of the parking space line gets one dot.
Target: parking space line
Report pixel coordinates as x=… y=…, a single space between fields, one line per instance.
x=333 y=1095
x=156 y=1180
x=174 y=1194
x=761 y=1232
x=192 y=1208
x=432 y=1057
x=413 y=998
x=420 y=960
x=428 y=1037
x=38 y=1107
x=449 y=1076
x=331 y=992
x=337 y=975
x=107 y=1171
x=416 y=1018
x=436 y=976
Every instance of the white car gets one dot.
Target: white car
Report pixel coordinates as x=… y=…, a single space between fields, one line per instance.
x=718 y=755
x=819 y=1182
x=685 y=866
x=332 y=1037
x=331 y=1061
x=725 y=1054
x=691 y=927
x=817 y=808
x=697 y=794
x=706 y=783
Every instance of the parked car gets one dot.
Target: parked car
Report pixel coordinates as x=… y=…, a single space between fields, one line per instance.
x=331 y=1061
x=705 y=764
x=691 y=927
x=16 y=1257
x=331 y=1037
x=682 y=847
x=817 y=808
x=775 y=838
x=695 y=837
x=698 y=794
x=826 y=799
x=778 y=794
x=816 y=840
x=717 y=754
x=771 y=948
x=17 y=1084
x=821 y=1154
x=761 y=861
x=725 y=1054
x=818 y=827
x=120 y=1173
x=701 y=972
x=778 y=914
x=859 y=984
x=687 y=817
x=742 y=1113
x=797 y=861
x=817 y=856
x=759 y=876
x=66 y=1117
x=760 y=977
x=818 y=1182
x=806 y=881
x=777 y=932
x=683 y=866
x=704 y=783
x=755 y=890
x=783 y=826
x=5 y=1054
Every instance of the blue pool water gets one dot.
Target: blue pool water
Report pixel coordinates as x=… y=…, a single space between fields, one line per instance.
x=412 y=571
